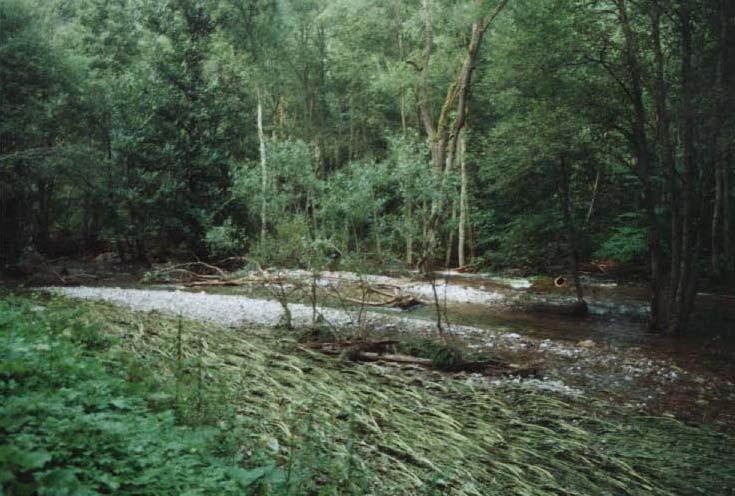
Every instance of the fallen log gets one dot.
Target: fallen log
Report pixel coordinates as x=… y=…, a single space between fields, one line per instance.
x=371 y=356
x=225 y=282
x=346 y=344
x=375 y=351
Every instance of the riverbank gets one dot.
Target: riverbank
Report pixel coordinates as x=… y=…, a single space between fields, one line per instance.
x=658 y=385
x=287 y=419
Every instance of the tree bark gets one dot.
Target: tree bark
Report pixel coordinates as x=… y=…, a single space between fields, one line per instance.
x=689 y=234
x=715 y=254
x=463 y=202
x=668 y=153
x=444 y=136
x=450 y=241
x=569 y=226
x=263 y=173
x=720 y=218
x=643 y=159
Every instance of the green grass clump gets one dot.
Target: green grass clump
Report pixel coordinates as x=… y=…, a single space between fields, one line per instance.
x=267 y=417
x=444 y=355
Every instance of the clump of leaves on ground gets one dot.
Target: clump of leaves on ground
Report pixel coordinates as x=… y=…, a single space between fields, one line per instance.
x=141 y=403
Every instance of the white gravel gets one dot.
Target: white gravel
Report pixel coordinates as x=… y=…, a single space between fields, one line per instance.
x=454 y=294
x=238 y=310
x=223 y=309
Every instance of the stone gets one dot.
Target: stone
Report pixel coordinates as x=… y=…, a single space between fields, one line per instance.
x=587 y=343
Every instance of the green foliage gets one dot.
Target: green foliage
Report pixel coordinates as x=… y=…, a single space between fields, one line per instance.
x=445 y=355
x=71 y=425
x=132 y=124
x=77 y=421
x=625 y=244
x=225 y=238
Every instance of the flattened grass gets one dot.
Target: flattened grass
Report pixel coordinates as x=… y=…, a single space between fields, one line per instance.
x=337 y=427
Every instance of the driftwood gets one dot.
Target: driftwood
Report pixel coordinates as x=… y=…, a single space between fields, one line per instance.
x=397 y=302
x=190 y=275
x=377 y=351
x=371 y=356
x=371 y=345
x=187 y=272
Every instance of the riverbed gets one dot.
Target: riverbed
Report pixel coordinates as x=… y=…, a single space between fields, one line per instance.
x=607 y=354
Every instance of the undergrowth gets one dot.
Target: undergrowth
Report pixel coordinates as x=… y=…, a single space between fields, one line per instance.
x=110 y=401
x=77 y=417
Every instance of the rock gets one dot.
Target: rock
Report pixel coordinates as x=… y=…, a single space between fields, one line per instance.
x=587 y=343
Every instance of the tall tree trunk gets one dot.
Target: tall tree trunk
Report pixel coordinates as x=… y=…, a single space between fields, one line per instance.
x=463 y=202
x=720 y=210
x=643 y=159
x=443 y=137
x=565 y=200
x=666 y=145
x=402 y=57
x=689 y=235
x=263 y=173
x=727 y=241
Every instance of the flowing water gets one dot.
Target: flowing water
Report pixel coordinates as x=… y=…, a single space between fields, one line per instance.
x=691 y=376
x=617 y=318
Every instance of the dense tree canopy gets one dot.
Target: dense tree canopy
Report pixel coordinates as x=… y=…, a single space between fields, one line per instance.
x=530 y=134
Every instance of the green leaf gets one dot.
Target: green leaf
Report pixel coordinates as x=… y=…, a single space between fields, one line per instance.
x=246 y=478
x=32 y=459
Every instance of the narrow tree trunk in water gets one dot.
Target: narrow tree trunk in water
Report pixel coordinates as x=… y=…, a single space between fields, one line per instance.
x=569 y=228
x=643 y=159
x=727 y=246
x=720 y=221
x=263 y=173
x=463 y=202
x=690 y=237
x=663 y=133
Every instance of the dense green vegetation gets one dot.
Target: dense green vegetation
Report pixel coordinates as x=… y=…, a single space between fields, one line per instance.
x=127 y=403
x=525 y=134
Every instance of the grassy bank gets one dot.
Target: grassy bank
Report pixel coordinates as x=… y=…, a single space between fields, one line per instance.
x=99 y=399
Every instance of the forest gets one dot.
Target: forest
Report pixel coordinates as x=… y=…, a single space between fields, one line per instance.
x=389 y=247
